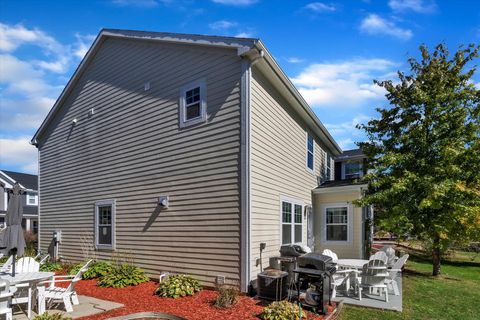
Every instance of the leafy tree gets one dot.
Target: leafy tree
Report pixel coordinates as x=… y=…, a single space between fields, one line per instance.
x=424 y=150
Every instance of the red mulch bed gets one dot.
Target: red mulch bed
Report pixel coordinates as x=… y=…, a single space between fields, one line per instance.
x=141 y=299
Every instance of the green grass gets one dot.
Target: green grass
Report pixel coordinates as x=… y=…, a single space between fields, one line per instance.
x=453 y=295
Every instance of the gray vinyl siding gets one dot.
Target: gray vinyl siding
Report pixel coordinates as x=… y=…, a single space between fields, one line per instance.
x=132 y=150
x=278 y=166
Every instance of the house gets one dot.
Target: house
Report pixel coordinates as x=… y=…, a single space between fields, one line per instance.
x=30 y=198
x=340 y=225
x=186 y=151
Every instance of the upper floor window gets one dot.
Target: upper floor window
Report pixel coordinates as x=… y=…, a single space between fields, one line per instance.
x=32 y=199
x=310 y=152
x=193 y=103
x=329 y=167
x=353 y=170
x=105 y=224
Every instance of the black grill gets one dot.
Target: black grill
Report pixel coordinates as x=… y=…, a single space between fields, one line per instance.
x=315 y=270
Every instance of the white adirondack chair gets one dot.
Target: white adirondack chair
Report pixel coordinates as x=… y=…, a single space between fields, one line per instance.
x=44 y=259
x=390 y=252
x=7 y=265
x=392 y=274
x=380 y=255
x=68 y=295
x=341 y=277
x=6 y=293
x=331 y=254
x=373 y=276
x=24 y=293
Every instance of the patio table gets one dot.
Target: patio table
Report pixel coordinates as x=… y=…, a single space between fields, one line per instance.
x=351 y=263
x=33 y=279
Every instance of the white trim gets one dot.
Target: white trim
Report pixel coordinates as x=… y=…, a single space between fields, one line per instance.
x=293 y=202
x=202 y=84
x=311 y=170
x=111 y=203
x=352 y=187
x=7 y=185
x=245 y=174
x=35 y=198
x=323 y=224
x=5 y=198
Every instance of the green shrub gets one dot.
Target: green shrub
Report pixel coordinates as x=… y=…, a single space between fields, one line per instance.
x=55 y=316
x=281 y=310
x=50 y=266
x=72 y=268
x=227 y=297
x=178 y=286
x=123 y=275
x=98 y=269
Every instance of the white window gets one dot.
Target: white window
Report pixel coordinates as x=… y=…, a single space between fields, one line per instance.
x=292 y=222
x=310 y=152
x=32 y=199
x=193 y=103
x=353 y=169
x=328 y=174
x=105 y=224
x=337 y=223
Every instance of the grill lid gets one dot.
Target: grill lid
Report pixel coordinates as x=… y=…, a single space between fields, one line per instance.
x=315 y=261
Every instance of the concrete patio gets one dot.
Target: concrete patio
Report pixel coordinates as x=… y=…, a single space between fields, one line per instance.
x=373 y=300
x=88 y=306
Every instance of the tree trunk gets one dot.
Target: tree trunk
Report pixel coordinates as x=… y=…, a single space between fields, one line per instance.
x=436 y=256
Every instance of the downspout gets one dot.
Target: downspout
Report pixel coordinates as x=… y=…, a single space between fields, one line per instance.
x=245 y=185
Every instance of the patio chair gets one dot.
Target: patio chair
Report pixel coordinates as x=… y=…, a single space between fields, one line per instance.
x=6 y=293
x=380 y=255
x=392 y=274
x=27 y=264
x=373 y=276
x=24 y=293
x=391 y=257
x=331 y=254
x=341 y=277
x=7 y=265
x=44 y=259
x=68 y=295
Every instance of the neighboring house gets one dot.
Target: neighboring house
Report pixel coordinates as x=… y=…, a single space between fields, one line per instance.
x=29 y=183
x=211 y=122
x=340 y=225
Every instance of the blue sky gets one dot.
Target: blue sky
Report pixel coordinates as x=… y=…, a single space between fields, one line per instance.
x=332 y=50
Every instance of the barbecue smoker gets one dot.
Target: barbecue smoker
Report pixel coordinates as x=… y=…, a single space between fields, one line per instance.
x=314 y=273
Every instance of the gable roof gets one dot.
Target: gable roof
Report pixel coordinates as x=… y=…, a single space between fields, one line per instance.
x=250 y=48
x=350 y=154
x=28 y=181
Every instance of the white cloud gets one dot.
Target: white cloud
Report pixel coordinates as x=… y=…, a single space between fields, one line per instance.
x=222 y=25
x=135 y=3
x=321 y=7
x=18 y=152
x=414 y=5
x=244 y=35
x=235 y=2
x=345 y=84
x=11 y=37
x=295 y=60
x=376 y=25
x=83 y=44
x=346 y=133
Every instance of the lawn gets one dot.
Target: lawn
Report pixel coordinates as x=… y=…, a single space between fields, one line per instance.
x=453 y=295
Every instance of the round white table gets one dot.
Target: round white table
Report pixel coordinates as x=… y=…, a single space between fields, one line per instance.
x=351 y=263
x=31 y=279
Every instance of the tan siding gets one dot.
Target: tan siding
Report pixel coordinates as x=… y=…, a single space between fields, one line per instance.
x=351 y=250
x=132 y=150
x=278 y=166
